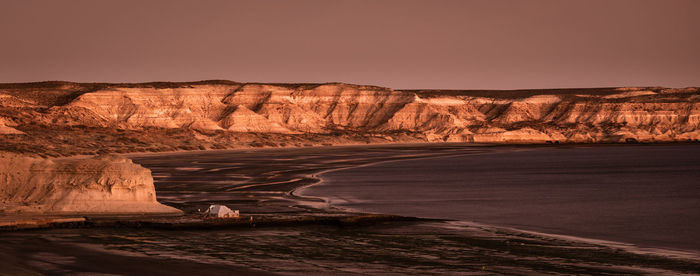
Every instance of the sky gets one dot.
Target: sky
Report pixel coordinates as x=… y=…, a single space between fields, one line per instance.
x=402 y=44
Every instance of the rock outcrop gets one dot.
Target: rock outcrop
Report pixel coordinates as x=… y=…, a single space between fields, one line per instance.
x=329 y=112
x=102 y=185
x=6 y=129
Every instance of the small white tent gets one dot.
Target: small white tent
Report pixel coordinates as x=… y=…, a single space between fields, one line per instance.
x=221 y=211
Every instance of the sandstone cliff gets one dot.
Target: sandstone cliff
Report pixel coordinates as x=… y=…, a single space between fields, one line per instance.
x=222 y=114
x=5 y=129
x=105 y=184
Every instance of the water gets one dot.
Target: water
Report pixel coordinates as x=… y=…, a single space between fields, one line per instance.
x=547 y=189
x=645 y=195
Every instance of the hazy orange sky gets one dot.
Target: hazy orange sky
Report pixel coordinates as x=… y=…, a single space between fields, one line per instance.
x=400 y=44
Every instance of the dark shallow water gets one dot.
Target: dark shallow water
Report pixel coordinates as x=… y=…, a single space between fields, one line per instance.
x=645 y=195
x=258 y=182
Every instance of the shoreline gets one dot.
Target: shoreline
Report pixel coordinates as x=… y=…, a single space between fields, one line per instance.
x=620 y=245
x=387 y=144
x=296 y=191
x=277 y=212
x=627 y=246
x=32 y=221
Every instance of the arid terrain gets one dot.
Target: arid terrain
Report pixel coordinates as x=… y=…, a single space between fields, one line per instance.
x=94 y=155
x=60 y=119
x=383 y=137
x=64 y=119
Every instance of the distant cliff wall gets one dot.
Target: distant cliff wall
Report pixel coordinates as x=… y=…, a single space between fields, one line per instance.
x=631 y=113
x=519 y=116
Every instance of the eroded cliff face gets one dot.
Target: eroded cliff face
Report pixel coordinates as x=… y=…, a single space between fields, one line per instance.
x=332 y=113
x=5 y=129
x=105 y=184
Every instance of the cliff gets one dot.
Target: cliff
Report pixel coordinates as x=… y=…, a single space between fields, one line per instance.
x=105 y=184
x=224 y=114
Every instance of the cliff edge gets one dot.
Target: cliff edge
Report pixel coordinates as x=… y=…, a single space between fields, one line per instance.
x=101 y=185
x=62 y=118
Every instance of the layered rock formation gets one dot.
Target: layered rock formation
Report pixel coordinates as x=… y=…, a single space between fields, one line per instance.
x=5 y=129
x=105 y=184
x=216 y=114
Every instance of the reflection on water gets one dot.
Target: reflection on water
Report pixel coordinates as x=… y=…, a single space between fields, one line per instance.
x=648 y=195
x=257 y=184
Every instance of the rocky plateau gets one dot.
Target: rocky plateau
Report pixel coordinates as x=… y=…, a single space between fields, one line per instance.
x=54 y=119
x=62 y=118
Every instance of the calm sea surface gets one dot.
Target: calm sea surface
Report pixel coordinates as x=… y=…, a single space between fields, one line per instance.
x=645 y=195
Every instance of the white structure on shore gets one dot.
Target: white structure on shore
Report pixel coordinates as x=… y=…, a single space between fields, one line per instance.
x=221 y=211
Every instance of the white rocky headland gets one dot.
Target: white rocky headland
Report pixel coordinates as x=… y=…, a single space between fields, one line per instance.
x=108 y=184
